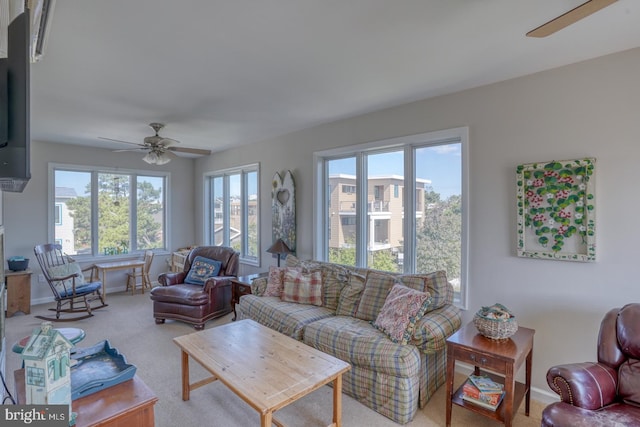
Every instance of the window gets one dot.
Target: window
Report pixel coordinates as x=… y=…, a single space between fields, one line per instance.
x=348 y=188
x=100 y=212
x=409 y=207
x=232 y=211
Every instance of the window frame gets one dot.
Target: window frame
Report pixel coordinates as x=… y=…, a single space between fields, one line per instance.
x=409 y=144
x=95 y=171
x=208 y=228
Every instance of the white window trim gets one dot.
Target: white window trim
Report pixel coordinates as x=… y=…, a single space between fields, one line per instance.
x=85 y=168
x=208 y=232
x=408 y=142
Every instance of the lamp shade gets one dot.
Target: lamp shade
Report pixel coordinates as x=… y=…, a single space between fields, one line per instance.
x=279 y=247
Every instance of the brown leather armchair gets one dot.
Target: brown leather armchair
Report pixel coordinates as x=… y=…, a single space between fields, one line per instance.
x=196 y=304
x=606 y=393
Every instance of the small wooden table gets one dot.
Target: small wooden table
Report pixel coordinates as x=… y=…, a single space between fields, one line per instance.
x=504 y=357
x=119 y=265
x=18 y=291
x=265 y=368
x=241 y=286
x=129 y=403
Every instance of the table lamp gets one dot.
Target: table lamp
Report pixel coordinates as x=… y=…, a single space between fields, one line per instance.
x=279 y=247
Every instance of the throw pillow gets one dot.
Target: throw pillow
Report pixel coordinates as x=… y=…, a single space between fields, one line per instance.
x=275 y=281
x=402 y=308
x=302 y=288
x=375 y=292
x=350 y=295
x=201 y=269
x=334 y=278
x=64 y=270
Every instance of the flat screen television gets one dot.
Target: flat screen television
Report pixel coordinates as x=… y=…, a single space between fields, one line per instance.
x=15 y=135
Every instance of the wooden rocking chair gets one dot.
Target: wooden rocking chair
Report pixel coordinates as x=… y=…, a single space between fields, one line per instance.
x=67 y=282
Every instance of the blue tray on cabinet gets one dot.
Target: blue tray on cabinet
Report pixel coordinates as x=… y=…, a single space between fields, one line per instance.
x=96 y=368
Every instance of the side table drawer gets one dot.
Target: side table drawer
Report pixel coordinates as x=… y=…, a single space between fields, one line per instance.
x=480 y=360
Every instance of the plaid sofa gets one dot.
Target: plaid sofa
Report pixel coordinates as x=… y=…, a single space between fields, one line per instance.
x=391 y=378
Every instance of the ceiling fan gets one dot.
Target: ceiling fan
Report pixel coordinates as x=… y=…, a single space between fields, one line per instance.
x=569 y=17
x=159 y=149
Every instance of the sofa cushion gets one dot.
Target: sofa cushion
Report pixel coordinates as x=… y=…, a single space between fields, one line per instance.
x=355 y=341
x=402 y=308
x=350 y=295
x=334 y=278
x=302 y=288
x=201 y=269
x=275 y=282
x=285 y=317
x=376 y=289
x=435 y=283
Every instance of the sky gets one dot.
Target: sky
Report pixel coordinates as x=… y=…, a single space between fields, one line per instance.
x=439 y=164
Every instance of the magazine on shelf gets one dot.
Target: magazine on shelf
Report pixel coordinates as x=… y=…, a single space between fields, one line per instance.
x=469 y=390
x=483 y=403
x=486 y=384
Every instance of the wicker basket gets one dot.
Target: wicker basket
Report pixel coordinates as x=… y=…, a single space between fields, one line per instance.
x=495 y=328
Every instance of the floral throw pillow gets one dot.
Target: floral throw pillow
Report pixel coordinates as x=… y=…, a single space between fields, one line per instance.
x=302 y=288
x=201 y=269
x=402 y=308
x=275 y=282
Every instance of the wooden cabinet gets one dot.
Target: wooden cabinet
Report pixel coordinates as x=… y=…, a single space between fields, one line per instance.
x=18 y=291
x=130 y=403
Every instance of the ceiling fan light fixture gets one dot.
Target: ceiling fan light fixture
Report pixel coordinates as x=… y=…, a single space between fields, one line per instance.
x=162 y=159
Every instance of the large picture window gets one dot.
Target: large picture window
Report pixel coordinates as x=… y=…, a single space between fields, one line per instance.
x=232 y=211
x=407 y=211
x=98 y=212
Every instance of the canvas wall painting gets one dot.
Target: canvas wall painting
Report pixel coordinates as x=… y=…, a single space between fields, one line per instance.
x=556 y=210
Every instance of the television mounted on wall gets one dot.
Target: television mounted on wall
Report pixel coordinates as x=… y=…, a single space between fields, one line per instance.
x=15 y=108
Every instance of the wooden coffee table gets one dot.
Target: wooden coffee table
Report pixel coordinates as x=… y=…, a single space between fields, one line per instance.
x=265 y=368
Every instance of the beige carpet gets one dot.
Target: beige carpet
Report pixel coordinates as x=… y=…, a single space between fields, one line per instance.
x=129 y=326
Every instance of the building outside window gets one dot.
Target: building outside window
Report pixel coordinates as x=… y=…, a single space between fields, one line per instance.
x=98 y=212
x=233 y=211
x=408 y=210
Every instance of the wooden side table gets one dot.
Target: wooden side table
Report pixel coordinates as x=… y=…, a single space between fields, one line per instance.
x=18 y=291
x=503 y=357
x=241 y=286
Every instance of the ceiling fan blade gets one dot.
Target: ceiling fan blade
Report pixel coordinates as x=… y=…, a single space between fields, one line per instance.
x=569 y=18
x=119 y=140
x=128 y=149
x=190 y=150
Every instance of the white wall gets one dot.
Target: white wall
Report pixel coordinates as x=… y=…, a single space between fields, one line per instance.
x=25 y=214
x=590 y=109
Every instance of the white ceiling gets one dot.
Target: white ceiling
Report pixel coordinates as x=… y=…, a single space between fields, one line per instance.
x=221 y=73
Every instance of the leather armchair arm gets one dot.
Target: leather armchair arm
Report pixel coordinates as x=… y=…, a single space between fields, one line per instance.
x=168 y=279
x=587 y=385
x=213 y=282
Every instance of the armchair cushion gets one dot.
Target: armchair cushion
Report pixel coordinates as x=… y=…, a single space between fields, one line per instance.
x=201 y=269
x=588 y=385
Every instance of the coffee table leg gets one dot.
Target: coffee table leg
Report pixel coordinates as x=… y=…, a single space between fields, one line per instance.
x=185 y=375
x=337 y=401
x=266 y=419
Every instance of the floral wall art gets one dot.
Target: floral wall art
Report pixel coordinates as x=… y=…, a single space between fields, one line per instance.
x=556 y=210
